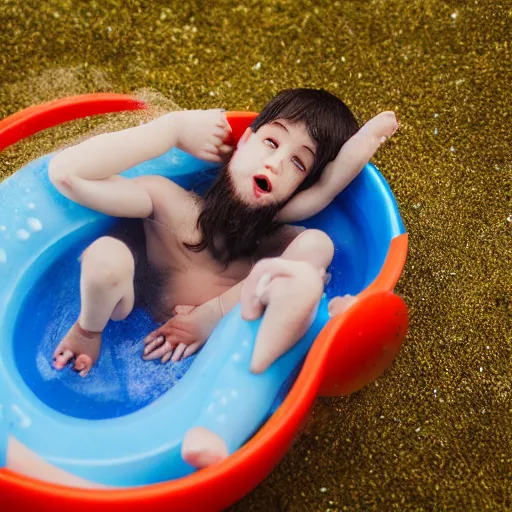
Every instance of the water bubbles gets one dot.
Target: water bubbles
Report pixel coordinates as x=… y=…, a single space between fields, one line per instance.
x=34 y=224
x=3 y=256
x=22 y=234
x=31 y=206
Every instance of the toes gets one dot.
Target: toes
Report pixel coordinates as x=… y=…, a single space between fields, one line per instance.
x=340 y=304
x=83 y=365
x=62 y=359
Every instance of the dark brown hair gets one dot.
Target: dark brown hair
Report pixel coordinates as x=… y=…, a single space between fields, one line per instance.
x=229 y=228
x=329 y=122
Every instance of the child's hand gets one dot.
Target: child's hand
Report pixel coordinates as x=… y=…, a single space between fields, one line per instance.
x=181 y=336
x=203 y=133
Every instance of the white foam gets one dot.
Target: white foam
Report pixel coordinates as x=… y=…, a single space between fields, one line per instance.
x=23 y=234
x=45 y=369
x=3 y=256
x=35 y=224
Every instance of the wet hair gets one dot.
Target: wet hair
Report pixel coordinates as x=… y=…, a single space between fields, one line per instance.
x=329 y=122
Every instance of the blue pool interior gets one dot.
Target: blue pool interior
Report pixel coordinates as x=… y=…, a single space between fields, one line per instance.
x=361 y=221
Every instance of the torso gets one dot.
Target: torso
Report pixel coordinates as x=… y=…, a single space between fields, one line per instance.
x=196 y=277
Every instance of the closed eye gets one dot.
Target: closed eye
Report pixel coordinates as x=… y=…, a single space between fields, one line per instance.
x=272 y=143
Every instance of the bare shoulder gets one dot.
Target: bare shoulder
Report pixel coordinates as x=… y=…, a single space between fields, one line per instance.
x=275 y=244
x=169 y=199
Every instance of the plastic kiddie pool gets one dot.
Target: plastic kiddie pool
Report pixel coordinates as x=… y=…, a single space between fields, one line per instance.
x=135 y=448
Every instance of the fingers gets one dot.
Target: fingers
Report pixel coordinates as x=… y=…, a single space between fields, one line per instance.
x=178 y=352
x=182 y=351
x=166 y=357
x=192 y=349
x=224 y=123
x=153 y=343
x=217 y=147
x=225 y=149
x=152 y=335
x=213 y=153
x=158 y=352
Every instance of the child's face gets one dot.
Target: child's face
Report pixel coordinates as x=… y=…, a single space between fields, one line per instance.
x=269 y=165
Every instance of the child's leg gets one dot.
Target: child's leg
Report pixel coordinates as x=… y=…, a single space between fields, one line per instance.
x=290 y=291
x=106 y=292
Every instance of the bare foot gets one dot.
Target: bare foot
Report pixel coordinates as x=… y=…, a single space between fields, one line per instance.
x=202 y=448
x=382 y=126
x=338 y=305
x=80 y=344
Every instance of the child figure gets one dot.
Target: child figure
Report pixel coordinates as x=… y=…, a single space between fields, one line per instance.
x=195 y=258
x=192 y=254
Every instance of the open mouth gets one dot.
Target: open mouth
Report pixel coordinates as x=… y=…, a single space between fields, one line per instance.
x=262 y=184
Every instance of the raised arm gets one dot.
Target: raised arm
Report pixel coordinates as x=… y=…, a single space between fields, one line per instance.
x=351 y=159
x=88 y=172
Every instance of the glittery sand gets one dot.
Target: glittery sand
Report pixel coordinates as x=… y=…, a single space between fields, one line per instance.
x=435 y=432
